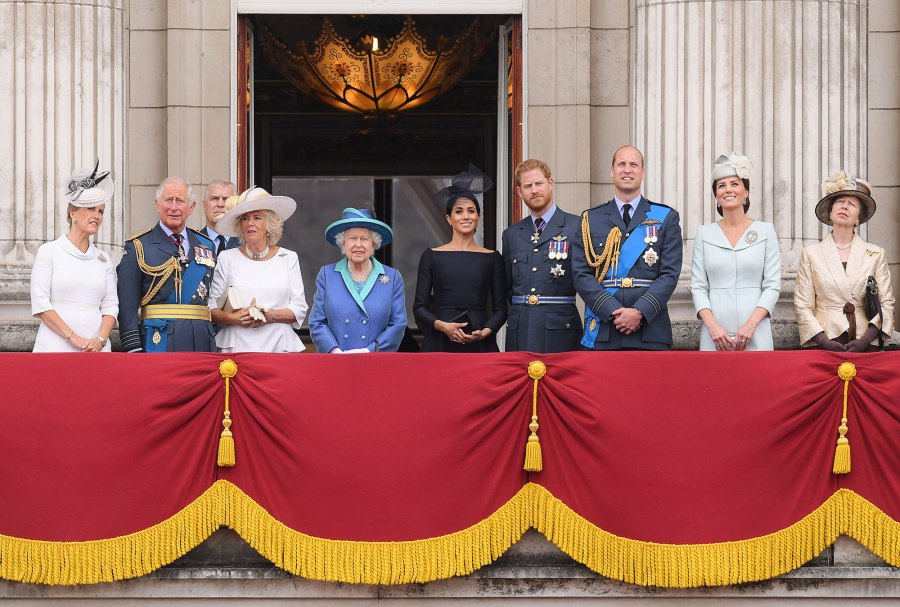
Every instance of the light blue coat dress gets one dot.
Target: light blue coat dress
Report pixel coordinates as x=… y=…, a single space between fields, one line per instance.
x=733 y=281
x=374 y=318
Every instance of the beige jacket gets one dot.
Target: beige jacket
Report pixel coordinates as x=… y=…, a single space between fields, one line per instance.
x=823 y=287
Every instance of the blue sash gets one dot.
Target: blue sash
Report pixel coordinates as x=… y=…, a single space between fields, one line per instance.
x=634 y=246
x=190 y=280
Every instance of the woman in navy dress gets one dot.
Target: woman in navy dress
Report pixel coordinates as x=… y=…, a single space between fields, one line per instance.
x=460 y=299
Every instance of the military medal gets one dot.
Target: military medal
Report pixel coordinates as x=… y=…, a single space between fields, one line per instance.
x=651 y=233
x=559 y=248
x=593 y=324
x=751 y=236
x=204 y=256
x=201 y=291
x=650 y=256
x=182 y=258
x=383 y=279
x=557 y=271
x=535 y=237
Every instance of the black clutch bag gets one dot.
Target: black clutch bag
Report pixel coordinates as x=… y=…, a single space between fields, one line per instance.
x=466 y=318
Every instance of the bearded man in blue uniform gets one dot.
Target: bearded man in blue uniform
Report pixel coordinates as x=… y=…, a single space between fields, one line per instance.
x=537 y=253
x=627 y=264
x=164 y=279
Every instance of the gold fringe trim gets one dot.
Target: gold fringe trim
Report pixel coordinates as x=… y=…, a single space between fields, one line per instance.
x=118 y=558
x=404 y=562
x=455 y=554
x=723 y=563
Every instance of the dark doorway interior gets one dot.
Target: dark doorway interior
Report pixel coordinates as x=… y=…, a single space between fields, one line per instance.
x=328 y=159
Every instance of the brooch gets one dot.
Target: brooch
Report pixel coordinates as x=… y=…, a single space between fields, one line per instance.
x=751 y=236
x=557 y=271
x=650 y=256
x=101 y=257
x=383 y=279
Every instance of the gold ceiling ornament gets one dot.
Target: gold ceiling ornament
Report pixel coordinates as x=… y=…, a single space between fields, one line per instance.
x=376 y=77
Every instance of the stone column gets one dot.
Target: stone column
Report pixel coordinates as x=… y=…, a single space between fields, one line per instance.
x=782 y=81
x=61 y=107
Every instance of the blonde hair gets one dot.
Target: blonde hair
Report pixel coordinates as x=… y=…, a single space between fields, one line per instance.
x=71 y=209
x=274 y=226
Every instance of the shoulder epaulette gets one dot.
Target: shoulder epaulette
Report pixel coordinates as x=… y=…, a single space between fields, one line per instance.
x=139 y=234
x=201 y=235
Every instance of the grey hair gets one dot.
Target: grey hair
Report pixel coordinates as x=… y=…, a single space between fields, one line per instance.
x=216 y=183
x=274 y=226
x=170 y=181
x=376 y=239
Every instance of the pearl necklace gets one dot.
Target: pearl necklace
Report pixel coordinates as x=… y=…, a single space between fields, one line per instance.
x=361 y=277
x=256 y=256
x=843 y=247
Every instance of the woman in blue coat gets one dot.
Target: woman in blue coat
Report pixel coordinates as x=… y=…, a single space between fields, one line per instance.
x=359 y=306
x=736 y=268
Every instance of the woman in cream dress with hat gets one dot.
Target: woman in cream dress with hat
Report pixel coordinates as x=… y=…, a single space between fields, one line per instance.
x=736 y=268
x=266 y=277
x=832 y=274
x=73 y=285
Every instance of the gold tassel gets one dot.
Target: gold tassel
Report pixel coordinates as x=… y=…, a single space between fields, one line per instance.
x=846 y=372
x=225 y=459
x=533 y=459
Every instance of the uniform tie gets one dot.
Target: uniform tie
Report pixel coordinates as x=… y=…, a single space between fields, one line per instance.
x=539 y=224
x=221 y=247
x=626 y=213
x=176 y=238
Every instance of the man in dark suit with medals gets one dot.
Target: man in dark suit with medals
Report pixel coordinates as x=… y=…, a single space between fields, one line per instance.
x=217 y=192
x=627 y=264
x=164 y=279
x=537 y=252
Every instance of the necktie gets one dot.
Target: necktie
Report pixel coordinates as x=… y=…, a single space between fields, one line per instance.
x=176 y=238
x=626 y=214
x=221 y=247
x=539 y=224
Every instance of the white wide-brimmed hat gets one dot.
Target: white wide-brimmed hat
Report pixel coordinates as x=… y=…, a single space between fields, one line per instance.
x=841 y=184
x=254 y=199
x=88 y=187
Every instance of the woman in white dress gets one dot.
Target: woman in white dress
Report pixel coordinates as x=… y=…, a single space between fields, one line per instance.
x=263 y=277
x=832 y=275
x=73 y=285
x=736 y=268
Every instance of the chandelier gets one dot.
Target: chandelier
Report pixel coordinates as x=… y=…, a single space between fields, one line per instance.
x=372 y=76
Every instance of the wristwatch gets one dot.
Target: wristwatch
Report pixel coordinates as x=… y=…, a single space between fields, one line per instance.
x=103 y=341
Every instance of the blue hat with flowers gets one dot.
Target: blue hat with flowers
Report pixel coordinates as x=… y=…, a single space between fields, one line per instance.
x=359 y=218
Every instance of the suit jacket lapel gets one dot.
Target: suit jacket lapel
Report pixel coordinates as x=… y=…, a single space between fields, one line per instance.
x=526 y=229
x=855 y=261
x=612 y=212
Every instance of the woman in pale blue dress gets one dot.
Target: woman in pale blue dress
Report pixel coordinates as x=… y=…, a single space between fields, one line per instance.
x=736 y=268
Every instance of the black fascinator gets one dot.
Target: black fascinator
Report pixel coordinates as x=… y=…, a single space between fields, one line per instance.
x=465 y=185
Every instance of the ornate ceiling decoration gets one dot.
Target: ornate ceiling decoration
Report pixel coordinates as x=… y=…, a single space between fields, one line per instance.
x=373 y=76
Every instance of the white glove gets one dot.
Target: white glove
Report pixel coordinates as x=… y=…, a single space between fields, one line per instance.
x=358 y=351
x=335 y=350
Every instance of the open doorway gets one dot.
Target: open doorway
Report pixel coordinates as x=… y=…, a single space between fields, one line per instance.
x=328 y=158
